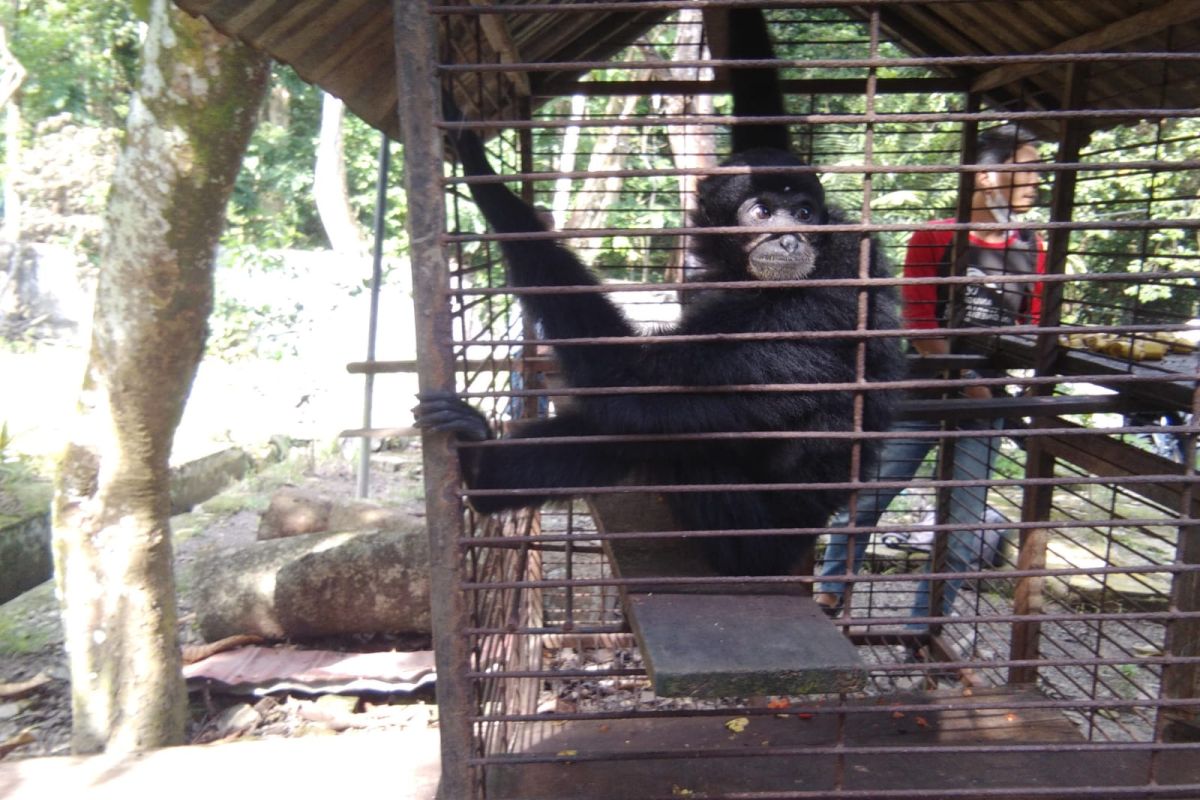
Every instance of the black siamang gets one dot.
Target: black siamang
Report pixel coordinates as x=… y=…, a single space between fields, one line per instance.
x=740 y=377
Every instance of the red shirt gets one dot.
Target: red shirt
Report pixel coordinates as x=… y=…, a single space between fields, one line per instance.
x=926 y=258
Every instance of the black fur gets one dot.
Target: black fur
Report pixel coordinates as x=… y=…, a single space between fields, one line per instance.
x=703 y=365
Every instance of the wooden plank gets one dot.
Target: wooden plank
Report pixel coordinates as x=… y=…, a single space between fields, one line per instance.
x=718 y=640
x=745 y=762
x=495 y=28
x=1137 y=26
x=1107 y=457
x=1174 y=390
x=953 y=408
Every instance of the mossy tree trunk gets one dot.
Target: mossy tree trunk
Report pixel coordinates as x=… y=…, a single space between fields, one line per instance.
x=189 y=122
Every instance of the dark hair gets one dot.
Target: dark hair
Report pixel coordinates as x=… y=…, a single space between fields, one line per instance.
x=1000 y=144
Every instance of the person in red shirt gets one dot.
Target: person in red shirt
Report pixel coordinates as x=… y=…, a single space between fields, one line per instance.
x=999 y=196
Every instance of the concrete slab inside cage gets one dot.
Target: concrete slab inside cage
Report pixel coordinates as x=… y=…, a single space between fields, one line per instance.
x=714 y=645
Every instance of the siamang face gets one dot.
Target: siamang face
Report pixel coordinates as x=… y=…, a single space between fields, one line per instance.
x=774 y=204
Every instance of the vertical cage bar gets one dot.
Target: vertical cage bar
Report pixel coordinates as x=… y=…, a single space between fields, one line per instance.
x=415 y=59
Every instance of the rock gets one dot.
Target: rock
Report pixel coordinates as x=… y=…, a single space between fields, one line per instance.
x=25 y=554
x=317 y=584
x=295 y=511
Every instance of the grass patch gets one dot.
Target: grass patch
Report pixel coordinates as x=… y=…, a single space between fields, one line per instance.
x=18 y=639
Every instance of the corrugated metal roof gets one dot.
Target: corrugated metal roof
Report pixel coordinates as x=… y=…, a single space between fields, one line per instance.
x=346 y=47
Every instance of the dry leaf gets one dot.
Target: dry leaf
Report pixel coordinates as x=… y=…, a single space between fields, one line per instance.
x=737 y=724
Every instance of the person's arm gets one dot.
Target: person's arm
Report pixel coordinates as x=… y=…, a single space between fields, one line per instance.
x=922 y=259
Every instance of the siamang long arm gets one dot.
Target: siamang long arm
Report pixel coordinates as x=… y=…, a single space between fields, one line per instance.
x=756 y=90
x=532 y=466
x=540 y=262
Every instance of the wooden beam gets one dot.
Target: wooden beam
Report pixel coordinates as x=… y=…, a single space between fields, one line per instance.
x=1107 y=457
x=1172 y=12
x=817 y=86
x=718 y=639
x=495 y=28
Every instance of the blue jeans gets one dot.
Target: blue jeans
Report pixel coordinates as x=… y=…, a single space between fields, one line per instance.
x=898 y=463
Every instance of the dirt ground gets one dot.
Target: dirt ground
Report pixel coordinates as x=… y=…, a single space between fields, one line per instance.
x=31 y=637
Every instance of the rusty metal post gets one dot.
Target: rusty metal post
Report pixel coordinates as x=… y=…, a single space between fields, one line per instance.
x=416 y=57
x=944 y=469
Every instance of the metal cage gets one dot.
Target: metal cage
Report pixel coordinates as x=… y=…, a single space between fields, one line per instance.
x=1066 y=664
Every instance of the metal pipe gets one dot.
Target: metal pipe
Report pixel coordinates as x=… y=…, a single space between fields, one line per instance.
x=365 y=443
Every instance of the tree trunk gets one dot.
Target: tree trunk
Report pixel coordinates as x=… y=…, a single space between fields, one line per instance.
x=329 y=183
x=693 y=146
x=189 y=122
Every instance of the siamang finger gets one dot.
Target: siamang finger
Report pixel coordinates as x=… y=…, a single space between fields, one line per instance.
x=437 y=394
x=434 y=417
x=471 y=429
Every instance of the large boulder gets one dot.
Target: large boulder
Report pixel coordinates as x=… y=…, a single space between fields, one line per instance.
x=317 y=584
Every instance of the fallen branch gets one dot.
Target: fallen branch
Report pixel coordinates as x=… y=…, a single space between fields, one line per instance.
x=15 y=691
x=20 y=740
x=198 y=652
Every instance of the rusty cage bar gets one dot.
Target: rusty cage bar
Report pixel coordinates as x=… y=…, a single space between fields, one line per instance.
x=1065 y=663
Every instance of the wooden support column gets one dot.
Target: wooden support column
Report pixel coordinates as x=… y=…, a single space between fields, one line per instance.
x=416 y=57
x=1039 y=463
x=1182 y=681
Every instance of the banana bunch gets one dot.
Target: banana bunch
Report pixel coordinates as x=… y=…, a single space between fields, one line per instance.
x=1146 y=347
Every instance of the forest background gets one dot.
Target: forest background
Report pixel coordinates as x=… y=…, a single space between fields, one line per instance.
x=65 y=120
x=294 y=263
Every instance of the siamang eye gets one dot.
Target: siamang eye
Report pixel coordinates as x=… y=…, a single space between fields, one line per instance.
x=804 y=213
x=760 y=212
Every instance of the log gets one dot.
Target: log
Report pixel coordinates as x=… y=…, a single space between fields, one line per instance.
x=317 y=584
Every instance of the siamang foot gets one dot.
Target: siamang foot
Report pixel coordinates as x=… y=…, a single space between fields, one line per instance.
x=444 y=411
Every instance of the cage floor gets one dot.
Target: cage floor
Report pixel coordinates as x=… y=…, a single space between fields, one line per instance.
x=651 y=758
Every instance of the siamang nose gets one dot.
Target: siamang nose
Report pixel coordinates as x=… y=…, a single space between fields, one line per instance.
x=790 y=242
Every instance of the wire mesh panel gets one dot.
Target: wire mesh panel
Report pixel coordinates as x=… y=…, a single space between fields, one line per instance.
x=1016 y=571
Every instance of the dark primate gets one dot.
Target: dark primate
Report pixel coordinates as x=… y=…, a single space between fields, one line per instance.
x=774 y=205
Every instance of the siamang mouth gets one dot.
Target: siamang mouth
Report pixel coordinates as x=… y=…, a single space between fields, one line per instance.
x=781 y=259
x=780 y=269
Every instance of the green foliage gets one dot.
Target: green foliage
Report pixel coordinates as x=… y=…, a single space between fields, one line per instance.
x=271 y=205
x=1130 y=194
x=81 y=57
x=17 y=638
x=241 y=328
x=14 y=467
x=22 y=488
